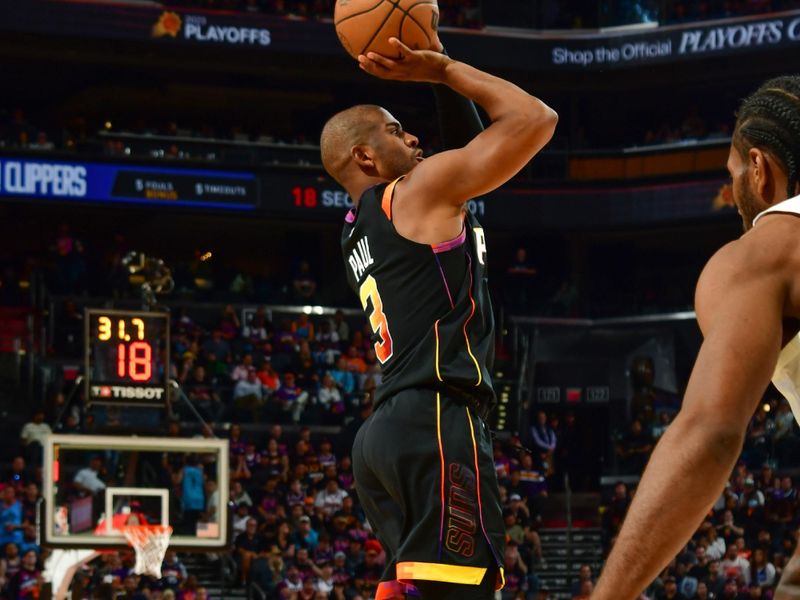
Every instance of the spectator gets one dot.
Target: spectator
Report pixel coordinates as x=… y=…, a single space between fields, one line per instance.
x=241 y=517
x=616 y=508
x=26 y=584
x=173 y=572
x=716 y=544
x=304 y=284
x=30 y=502
x=18 y=475
x=734 y=566
x=32 y=437
x=340 y=326
x=635 y=448
x=303 y=328
x=306 y=536
x=290 y=398
x=762 y=572
x=89 y=479
x=29 y=540
x=730 y=591
x=331 y=499
x=204 y=394
x=249 y=395
x=702 y=592
x=248 y=546
x=211 y=514
x=269 y=377
x=10 y=564
x=325 y=581
x=670 y=591
x=292 y=582
x=516 y=572
x=229 y=325
x=327 y=335
x=235 y=442
x=193 y=501
x=585 y=592
x=519 y=281
x=10 y=518
x=354 y=362
x=699 y=570
x=584 y=574
x=255 y=332
x=304 y=368
x=330 y=398
x=544 y=437
x=240 y=371
x=344 y=378
x=217 y=346
x=663 y=422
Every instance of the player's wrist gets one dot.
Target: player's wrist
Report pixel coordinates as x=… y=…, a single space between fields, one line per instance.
x=443 y=70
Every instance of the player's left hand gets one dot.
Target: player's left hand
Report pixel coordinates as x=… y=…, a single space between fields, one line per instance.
x=413 y=65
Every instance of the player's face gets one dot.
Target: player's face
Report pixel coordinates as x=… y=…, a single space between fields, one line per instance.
x=396 y=151
x=744 y=196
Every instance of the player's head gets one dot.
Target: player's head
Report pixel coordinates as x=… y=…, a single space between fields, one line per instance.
x=764 y=160
x=366 y=142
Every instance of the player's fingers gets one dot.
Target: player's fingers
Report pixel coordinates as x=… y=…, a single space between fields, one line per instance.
x=404 y=50
x=372 y=67
x=382 y=60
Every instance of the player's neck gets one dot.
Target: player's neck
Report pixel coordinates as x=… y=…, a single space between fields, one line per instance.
x=357 y=189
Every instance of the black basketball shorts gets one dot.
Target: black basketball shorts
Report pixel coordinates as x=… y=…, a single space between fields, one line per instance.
x=424 y=473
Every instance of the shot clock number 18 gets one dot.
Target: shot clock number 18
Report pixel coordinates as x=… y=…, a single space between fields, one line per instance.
x=124 y=354
x=134 y=359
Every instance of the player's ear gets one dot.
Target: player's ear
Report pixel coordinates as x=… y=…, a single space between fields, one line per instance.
x=362 y=156
x=763 y=176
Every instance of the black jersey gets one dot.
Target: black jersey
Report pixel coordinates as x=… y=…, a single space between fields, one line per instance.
x=428 y=306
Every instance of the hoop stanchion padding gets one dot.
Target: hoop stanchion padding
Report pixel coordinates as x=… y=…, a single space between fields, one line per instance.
x=150 y=543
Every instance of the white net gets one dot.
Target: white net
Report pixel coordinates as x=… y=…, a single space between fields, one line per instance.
x=150 y=543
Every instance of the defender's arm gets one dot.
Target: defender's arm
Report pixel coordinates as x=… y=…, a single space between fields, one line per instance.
x=739 y=308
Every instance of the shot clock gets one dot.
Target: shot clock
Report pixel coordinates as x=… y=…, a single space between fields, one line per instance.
x=127 y=357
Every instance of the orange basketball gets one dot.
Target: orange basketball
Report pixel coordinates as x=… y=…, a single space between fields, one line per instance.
x=366 y=25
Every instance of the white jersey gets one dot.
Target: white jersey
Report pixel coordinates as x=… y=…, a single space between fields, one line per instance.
x=787 y=372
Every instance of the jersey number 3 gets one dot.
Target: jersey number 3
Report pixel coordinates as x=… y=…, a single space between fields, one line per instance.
x=377 y=318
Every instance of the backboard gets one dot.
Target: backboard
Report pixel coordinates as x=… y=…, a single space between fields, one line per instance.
x=96 y=485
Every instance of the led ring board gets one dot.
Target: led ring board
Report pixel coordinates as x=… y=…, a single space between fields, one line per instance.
x=94 y=486
x=127 y=357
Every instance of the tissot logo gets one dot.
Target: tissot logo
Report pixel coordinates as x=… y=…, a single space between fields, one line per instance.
x=127 y=392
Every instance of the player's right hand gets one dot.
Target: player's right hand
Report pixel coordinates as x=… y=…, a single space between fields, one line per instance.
x=413 y=65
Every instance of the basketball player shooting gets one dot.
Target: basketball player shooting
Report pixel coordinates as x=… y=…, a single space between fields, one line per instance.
x=416 y=258
x=748 y=307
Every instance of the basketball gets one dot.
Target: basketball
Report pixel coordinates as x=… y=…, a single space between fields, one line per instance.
x=366 y=25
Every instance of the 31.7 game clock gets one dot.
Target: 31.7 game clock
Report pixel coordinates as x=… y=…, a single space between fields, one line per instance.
x=127 y=357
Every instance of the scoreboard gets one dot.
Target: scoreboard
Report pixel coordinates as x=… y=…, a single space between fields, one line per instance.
x=127 y=357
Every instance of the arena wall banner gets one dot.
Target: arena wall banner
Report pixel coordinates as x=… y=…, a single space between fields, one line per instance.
x=77 y=181
x=310 y=197
x=517 y=49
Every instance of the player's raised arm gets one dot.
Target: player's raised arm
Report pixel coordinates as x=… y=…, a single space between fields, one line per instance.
x=520 y=126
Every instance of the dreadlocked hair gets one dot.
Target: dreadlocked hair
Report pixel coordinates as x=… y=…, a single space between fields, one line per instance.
x=770 y=120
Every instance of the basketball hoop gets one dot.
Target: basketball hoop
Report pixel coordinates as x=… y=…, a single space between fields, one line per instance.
x=150 y=543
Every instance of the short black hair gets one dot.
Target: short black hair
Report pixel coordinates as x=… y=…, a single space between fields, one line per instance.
x=769 y=120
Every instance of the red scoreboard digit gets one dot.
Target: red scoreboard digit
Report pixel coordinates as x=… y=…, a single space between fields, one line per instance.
x=127 y=357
